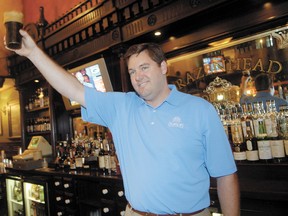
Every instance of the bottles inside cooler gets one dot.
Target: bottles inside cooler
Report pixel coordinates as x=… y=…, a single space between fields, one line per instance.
x=35 y=204
x=255 y=133
x=14 y=196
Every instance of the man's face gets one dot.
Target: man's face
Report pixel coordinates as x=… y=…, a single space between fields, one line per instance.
x=147 y=77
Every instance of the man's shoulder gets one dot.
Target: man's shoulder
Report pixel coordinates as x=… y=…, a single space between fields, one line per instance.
x=280 y=100
x=246 y=99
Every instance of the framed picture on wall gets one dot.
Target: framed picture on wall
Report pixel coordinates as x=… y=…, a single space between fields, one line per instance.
x=14 y=120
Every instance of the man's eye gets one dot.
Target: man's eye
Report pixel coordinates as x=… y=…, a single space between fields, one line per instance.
x=144 y=68
x=131 y=72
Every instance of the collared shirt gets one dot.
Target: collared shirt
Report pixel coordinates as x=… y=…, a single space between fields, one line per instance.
x=168 y=153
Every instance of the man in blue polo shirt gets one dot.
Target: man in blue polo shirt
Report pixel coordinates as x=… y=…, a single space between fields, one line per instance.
x=168 y=143
x=264 y=92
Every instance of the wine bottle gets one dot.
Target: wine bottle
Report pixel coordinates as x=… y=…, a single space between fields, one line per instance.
x=251 y=144
x=101 y=159
x=276 y=143
x=107 y=159
x=239 y=149
x=283 y=126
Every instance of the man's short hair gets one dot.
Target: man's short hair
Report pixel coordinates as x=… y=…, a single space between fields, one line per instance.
x=263 y=82
x=154 y=51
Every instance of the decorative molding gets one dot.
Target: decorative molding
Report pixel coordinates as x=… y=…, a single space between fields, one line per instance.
x=166 y=15
x=281 y=38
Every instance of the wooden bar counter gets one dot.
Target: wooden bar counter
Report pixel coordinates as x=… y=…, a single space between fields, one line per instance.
x=264 y=190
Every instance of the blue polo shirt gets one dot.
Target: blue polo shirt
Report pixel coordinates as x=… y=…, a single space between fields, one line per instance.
x=168 y=153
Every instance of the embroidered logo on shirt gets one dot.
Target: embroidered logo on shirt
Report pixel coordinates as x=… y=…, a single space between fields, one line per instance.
x=176 y=122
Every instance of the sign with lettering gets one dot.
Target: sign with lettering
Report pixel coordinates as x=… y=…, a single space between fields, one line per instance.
x=239 y=64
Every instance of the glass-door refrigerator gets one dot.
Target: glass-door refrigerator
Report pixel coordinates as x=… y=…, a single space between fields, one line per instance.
x=36 y=196
x=14 y=195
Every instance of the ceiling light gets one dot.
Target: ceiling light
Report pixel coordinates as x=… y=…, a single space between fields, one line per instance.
x=172 y=38
x=157 y=33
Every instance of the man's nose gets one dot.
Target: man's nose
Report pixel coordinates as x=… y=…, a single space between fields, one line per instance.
x=138 y=75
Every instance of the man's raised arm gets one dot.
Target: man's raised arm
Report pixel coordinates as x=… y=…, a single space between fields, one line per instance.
x=64 y=82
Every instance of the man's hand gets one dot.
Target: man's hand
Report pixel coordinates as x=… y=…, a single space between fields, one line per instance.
x=27 y=47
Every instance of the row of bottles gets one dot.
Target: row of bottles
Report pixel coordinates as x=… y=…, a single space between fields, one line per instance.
x=39 y=124
x=4 y=162
x=256 y=134
x=95 y=152
x=18 y=212
x=37 y=192
x=37 y=209
x=283 y=92
x=39 y=99
x=17 y=191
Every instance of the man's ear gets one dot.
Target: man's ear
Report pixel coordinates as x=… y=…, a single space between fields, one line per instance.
x=164 y=67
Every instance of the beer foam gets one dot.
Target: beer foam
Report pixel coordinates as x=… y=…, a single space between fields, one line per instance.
x=13 y=16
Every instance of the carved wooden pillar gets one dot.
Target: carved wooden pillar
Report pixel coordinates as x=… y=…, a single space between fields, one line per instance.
x=124 y=73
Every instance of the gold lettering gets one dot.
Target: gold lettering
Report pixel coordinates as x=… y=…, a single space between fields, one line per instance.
x=179 y=83
x=238 y=64
x=228 y=65
x=247 y=63
x=259 y=64
x=271 y=62
x=189 y=78
x=200 y=73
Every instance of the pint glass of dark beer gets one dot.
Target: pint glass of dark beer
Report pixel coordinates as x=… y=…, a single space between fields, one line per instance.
x=13 y=21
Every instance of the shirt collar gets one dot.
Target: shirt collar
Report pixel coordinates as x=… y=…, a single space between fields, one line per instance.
x=263 y=94
x=173 y=98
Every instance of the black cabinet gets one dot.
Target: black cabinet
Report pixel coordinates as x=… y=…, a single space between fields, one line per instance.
x=42 y=113
x=263 y=189
x=3 y=201
x=101 y=197
x=37 y=113
x=64 y=196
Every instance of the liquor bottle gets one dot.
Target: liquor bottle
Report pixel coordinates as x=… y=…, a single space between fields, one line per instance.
x=107 y=159
x=277 y=150
x=17 y=191
x=78 y=161
x=31 y=103
x=276 y=143
x=239 y=146
x=101 y=159
x=41 y=97
x=42 y=23
x=258 y=120
x=271 y=119
x=283 y=126
x=249 y=117
x=41 y=193
x=264 y=148
x=105 y=141
x=113 y=158
x=251 y=144
x=243 y=118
